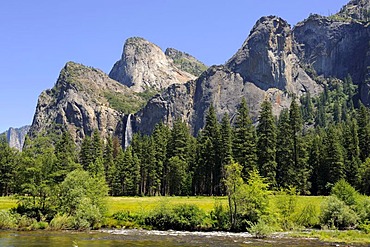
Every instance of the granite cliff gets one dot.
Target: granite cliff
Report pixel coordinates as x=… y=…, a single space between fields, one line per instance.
x=16 y=136
x=264 y=67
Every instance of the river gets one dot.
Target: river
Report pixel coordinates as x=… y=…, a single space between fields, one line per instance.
x=113 y=238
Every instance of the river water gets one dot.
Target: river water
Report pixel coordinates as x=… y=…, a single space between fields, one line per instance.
x=113 y=238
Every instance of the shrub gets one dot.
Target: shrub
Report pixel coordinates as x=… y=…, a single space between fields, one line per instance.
x=308 y=217
x=335 y=213
x=287 y=202
x=219 y=217
x=259 y=229
x=7 y=220
x=345 y=192
x=181 y=217
x=362 y=208
x=60 y=222
x=87 y=215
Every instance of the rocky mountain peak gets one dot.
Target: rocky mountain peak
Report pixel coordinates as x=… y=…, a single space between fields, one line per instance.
x=143 y=66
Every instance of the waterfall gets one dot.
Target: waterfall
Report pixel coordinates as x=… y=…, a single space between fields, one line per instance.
x=128 y=131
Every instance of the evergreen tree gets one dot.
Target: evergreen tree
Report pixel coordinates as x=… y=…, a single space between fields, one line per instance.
x=244 y=147
x=179 y=146
x=333 y=158
x=161 y=135
x=211 y=156
x=284 y=151
x=109 y=165
x=363 y=121
x=266 y=144
x=86 y=153
x=299 y=152
x=7 y=168
x=66 y=157
x=316 y=161
x=352 y=151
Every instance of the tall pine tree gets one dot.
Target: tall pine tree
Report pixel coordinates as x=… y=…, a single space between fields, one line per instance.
x=266 y=144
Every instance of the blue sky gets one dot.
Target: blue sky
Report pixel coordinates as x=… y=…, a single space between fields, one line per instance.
x=38 y=37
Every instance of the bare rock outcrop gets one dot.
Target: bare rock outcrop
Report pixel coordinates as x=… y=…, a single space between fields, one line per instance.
x=144 y=66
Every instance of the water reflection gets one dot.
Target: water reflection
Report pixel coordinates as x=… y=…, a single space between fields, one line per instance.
x=116 y=238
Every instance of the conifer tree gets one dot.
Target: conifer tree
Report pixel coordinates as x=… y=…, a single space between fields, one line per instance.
x=7 y=168
x=109 y=165
x=266 y=144
x=161 y=136
x=333 y=158
x=244 y=146
x=352 y=151
x=363 y=121
x=284 y=151
x=299 y=152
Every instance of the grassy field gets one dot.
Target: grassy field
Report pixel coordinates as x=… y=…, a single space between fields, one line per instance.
x=144 y=204
x=7 y=202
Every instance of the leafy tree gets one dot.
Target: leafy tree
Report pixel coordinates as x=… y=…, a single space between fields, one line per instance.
x=82 y=197
x=233 y=182
x=244 y=147
x=266 y=144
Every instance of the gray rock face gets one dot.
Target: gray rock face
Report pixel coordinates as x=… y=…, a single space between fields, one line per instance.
x=264 y=68
x=16 y=136
x=143 y=66
x=79 y=104
x=334 y=48
x=185 y=62
x=267 y=59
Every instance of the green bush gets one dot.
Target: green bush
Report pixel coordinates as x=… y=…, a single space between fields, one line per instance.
x=362 y=208
x=219 y=217
x=308 y=217
x=7 y=220
x=336 y=214
x=181 y=217
x=87 y=216
x=345 y=192
x=60 y=222
x=259 y=229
